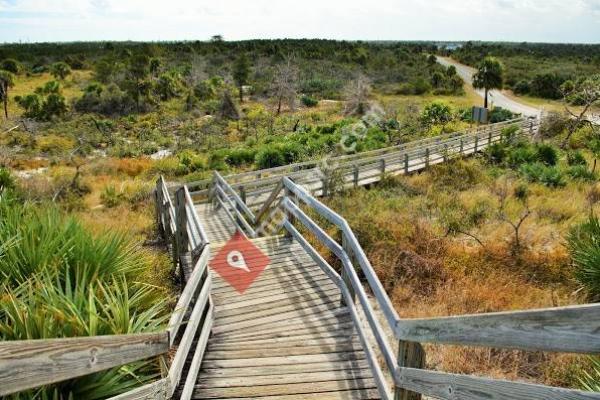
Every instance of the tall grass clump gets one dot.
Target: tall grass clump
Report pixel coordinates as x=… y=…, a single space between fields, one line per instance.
x=584 y=245
x=59 y=280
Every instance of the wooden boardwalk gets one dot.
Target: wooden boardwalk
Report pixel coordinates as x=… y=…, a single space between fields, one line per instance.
x=287 y=337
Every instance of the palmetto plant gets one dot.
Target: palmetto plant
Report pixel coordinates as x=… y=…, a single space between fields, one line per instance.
x=58 y=280
x=584 y=245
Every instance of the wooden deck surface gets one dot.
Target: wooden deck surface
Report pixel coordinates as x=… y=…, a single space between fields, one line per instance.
x=286 y=337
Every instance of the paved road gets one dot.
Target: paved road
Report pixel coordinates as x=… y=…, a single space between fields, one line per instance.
x=495 y=96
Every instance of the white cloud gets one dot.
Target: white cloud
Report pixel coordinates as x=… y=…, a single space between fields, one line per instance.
x=518 y=20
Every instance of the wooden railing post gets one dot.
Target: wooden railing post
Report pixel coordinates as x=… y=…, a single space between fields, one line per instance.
x=460 y=151
x=325 y=183
x=158 y=199
x=344 y=274
x=410 y=355
x=355 y=176
x=476 y=143
x=184 y=255
x=239 y=206
x=406 y=163
x=445 y=155
x=490 y=136
x=287 y=193
x=427 y=157
x=382 y=166
x=243 y=194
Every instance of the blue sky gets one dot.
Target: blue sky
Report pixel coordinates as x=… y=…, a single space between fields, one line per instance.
x=510 y=20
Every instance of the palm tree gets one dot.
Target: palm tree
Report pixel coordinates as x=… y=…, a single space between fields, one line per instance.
x=489 y=75
x=7 y=80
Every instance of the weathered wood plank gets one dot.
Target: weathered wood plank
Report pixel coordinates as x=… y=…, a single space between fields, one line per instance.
x=292 y=388
x=451 y=386
x=190 y=381
x=158 y=390
x=26 y=364
x=285 y=369
x=567 y=329
x=282 y=351
x=360 y=394
x=283 y=360
x=281 y=379
x=187 y=295
x=188 y=335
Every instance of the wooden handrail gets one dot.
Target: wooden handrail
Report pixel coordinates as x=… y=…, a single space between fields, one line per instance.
x=26 y=364
x=572 y=329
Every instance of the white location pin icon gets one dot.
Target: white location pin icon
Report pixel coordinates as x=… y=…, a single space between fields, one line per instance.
x=235 y=259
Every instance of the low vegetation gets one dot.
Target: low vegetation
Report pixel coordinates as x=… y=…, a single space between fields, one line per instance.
x=61 y=280
x=488 y=234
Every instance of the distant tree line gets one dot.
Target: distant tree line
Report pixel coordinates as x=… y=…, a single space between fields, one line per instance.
x=136 y=77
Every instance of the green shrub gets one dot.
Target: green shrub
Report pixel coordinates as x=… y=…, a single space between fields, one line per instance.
x=240 y=156
x=309 y=101
x=269 y=156
x=216 y=161
x=291 y=152
x=546 y=154
x=583 y=242
x=581 y=172
x=499 y=114
x=509 y=133
x=576 y=158
x=10 y=65
x=191 y=161
x=549 y=176
x=521 y=154
x=437 y=112
x=496 y=153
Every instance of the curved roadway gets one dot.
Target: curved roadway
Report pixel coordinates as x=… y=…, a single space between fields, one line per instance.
x=495 y=96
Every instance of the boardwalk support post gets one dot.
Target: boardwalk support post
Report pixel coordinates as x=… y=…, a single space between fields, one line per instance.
x=288 y=215
x=183 y=254
x=159 y=201
x=344 y=274
x=410 y=355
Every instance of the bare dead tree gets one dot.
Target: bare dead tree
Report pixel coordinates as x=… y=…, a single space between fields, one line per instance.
x=588 y=94
x=357 y=94
x=521 y=194
x=285 y=83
